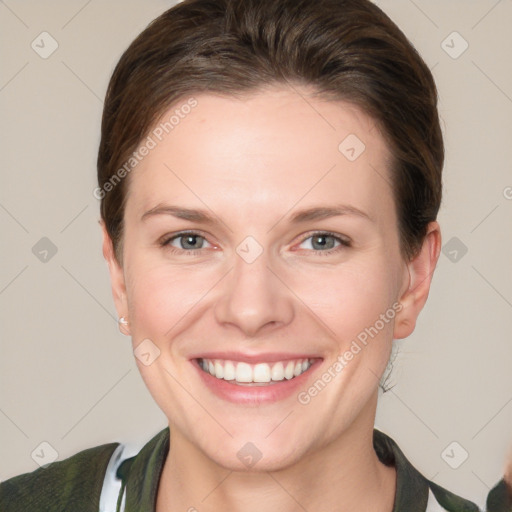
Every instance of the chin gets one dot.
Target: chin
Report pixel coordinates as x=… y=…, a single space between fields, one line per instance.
x=250 y=459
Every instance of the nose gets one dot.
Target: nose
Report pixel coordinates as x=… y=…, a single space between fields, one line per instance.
x=254 y=298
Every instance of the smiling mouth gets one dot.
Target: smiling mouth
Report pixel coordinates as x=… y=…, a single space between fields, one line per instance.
x=260 y=374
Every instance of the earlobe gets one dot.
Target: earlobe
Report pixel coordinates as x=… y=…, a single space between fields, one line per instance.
x=117 y=280
x=420 y=269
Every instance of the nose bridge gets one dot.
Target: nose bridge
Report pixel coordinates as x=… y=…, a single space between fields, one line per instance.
x=253 y=296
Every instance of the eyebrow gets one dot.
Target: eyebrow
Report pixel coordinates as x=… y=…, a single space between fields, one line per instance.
x=302 y=216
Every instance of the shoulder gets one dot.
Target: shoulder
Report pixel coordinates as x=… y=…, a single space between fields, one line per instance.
x=61 y=485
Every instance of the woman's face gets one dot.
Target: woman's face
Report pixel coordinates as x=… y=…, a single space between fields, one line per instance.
x=261 y=237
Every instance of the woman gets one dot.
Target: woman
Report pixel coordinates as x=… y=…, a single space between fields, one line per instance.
x=270 y=176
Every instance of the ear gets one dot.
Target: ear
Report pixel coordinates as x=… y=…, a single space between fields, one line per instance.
x=415 y=292
x=116 y=279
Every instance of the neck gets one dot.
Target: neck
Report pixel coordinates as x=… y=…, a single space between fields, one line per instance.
x=343 y=475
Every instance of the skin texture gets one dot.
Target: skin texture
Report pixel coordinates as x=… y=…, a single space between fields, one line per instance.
x=252 y=163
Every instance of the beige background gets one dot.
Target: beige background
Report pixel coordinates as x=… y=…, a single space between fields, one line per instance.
x=68 y=378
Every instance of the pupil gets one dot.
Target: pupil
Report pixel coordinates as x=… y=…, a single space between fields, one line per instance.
x=189 y=240
x=322 y=241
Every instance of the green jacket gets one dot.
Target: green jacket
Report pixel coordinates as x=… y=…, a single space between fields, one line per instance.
x=79 y=483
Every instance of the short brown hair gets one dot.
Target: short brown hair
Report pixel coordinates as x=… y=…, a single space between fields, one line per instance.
x=346 y=49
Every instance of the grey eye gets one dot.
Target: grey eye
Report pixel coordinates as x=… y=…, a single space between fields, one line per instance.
x=188 y=241
x=321 y=241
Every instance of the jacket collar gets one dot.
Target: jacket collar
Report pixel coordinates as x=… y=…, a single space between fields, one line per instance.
x=141 y=474
x=500 y=498
x=412 y=487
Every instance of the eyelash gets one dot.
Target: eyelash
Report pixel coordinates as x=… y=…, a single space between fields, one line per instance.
x=165 y=243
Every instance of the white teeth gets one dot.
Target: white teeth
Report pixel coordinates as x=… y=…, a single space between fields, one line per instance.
x=219 y=370
x=229 y=371
x=259 y=373
x=243 y=372
x=278 y=371
x=288 y=371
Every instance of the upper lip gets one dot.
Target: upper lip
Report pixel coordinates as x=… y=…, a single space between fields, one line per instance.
x=263 y=357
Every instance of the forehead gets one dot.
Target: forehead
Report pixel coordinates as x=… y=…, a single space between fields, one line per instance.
x=270 y=149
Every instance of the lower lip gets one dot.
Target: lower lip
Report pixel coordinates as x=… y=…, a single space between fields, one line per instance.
x=256 y=394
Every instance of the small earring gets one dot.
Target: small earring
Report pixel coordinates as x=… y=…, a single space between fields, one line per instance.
x=123 y=326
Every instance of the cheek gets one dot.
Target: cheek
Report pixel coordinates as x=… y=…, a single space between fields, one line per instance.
x=351 y=297
x=160 y=296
